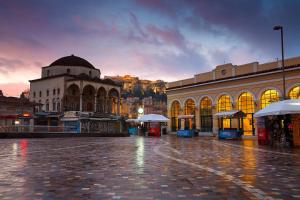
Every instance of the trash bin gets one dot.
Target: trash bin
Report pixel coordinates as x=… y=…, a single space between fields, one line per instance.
x=154 y=132
x=164 y=130
x=262 y=132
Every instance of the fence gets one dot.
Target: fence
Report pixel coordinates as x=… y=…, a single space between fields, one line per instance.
x=37 y=129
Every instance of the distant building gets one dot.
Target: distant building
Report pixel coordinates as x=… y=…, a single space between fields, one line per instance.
x=15 y=111
x=138 y=93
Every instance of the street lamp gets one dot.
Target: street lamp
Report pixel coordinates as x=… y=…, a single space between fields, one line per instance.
x=276 y=28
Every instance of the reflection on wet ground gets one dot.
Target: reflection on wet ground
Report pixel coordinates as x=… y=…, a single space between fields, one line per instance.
x=146 y=168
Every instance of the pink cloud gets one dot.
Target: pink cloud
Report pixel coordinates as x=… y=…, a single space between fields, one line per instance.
x=13 y=89
x=170 y=36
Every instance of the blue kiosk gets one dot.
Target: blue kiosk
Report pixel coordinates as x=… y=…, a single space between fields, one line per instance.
x=230 y=124
x=132 y=125
x=187 y=124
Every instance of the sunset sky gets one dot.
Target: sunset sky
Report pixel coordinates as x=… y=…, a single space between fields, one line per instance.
x=152 y=39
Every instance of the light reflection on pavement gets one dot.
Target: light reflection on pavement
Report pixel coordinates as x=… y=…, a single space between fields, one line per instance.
x=146 y=168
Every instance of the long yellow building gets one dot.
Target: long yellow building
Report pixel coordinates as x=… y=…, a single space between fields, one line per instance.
x=249 y=88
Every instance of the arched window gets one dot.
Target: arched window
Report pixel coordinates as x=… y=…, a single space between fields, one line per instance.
x=175 y=109
x=246 y=105
x=58 y=105
x=206 y=115
x=101 y=105
x=189 y=109
x=47 y=105
x=88 y=98
x=53 y=105
x=268 y=97
x=224 y=104
x=113 y=98
x=295 y=93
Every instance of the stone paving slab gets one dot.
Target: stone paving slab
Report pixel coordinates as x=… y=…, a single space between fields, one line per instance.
x=146 y=168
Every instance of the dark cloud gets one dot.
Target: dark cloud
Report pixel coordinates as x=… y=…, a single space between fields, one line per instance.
x=250 y=21
x=153 y=38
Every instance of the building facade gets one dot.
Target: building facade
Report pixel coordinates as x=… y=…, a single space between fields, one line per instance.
x=15 y=111
x=73 y=84
x=249 y=88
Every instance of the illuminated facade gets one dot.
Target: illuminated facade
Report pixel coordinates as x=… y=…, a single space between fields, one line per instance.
x=248 y=88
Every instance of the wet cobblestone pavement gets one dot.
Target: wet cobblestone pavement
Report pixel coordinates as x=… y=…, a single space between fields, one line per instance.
x=146 y=168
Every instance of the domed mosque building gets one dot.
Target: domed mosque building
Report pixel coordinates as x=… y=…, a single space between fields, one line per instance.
x=71 y=93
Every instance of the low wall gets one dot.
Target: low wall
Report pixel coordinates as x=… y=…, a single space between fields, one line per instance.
x=59 y=135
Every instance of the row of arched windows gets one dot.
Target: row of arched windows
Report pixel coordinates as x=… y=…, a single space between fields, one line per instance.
x=245 y=103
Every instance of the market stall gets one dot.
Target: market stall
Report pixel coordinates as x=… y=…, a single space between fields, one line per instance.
x=132 y=126
x=230 y=124
x=279 y=123
x=153 y=123
x=187 y=124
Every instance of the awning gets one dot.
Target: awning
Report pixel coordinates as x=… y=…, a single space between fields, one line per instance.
x=69 y=119
x=230 y=114
x=153 y=118
x=185 y=116
x=285 y=107
x=132 y=120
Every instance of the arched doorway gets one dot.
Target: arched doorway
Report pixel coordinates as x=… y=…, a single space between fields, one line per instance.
x=206 y=117
x=225 y=104
x=268 y=97
x=246 y=105
x=295 y=93
x=88 y=98
x=101 y=100
x=175 y=109
x=72 y=99
x=189 y=109
x=113 y=97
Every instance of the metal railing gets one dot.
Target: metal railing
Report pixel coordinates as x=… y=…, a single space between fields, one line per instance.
x=37 y=129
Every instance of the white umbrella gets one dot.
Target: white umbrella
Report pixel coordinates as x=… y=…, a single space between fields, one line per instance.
x=280 y=108
x=153 y=118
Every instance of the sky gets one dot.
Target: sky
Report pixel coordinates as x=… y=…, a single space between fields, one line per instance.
x=151 y=39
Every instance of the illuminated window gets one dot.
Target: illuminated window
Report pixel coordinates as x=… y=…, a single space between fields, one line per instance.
x=189 y=109
x=268 y=97
x=175 y=109
x=295 y=93
x=246 y=104
x=224 y=103
x=206 y=115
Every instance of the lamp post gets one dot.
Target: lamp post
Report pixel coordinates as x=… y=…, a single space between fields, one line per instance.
x=276 y=28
